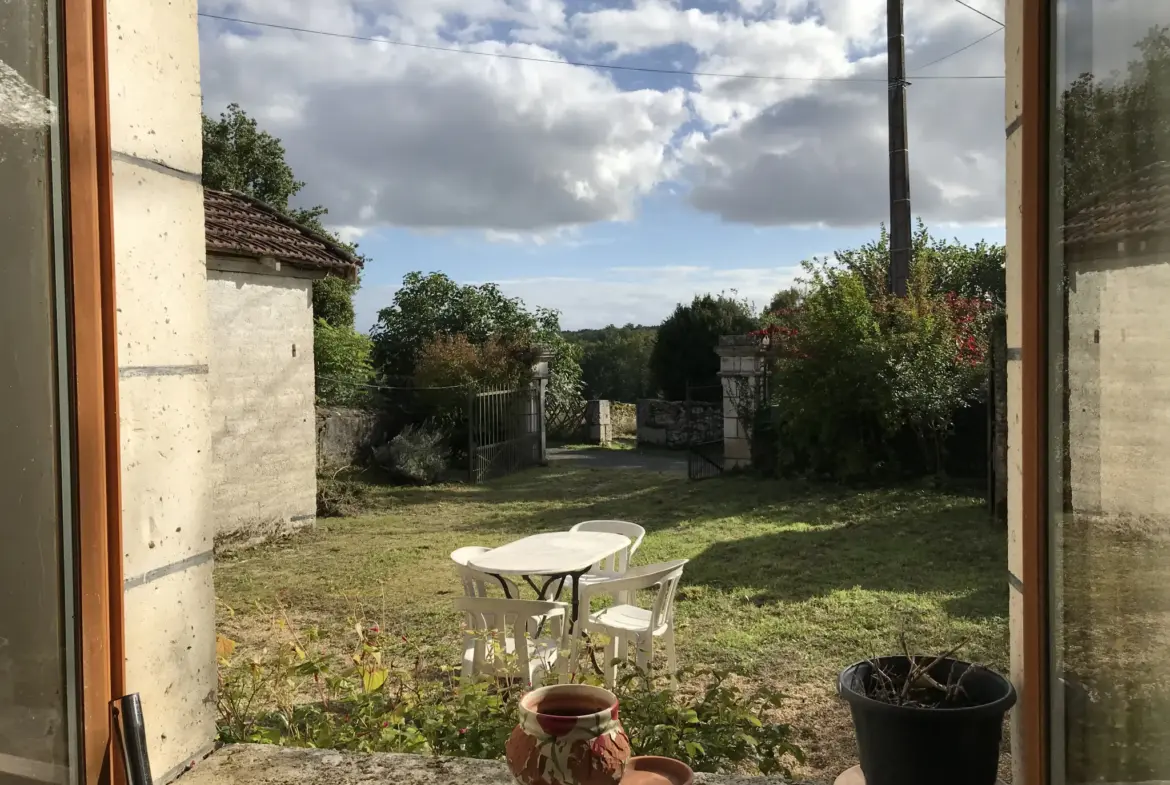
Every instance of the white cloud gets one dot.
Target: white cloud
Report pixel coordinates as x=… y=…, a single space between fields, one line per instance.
x=391 y=135
x=434 y=140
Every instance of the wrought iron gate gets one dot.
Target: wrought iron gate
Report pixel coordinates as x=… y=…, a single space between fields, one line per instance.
x=705 y=460
x=505 y=431
x=704 y=449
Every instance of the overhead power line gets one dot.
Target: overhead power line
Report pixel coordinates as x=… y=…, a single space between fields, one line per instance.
x=578 y=64
x=976 y=10
x=952 y=54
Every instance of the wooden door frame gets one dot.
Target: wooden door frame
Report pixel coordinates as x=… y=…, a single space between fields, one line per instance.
x=1033 y=315
x=93 y=381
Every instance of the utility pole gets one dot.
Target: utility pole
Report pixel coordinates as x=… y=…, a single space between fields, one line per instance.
x=900 y=235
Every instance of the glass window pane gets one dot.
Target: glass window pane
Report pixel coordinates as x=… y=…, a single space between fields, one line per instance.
x=1109 y=384
x=35 y=718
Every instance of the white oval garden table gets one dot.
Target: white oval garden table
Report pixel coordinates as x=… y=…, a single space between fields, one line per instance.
x=553 y=555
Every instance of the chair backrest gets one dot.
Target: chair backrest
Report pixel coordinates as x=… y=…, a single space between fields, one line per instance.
x=476 y=583
x=620 y=561
x=501 y=619
x=665 y=577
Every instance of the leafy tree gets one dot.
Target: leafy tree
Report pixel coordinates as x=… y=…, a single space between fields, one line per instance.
x=427 y=306
x=238 y=156
x=685 y=352
x=1116 y=127
x=786 y=300
x=615 y=362
x=333 y=301
x=341 y=356
x=865 y=369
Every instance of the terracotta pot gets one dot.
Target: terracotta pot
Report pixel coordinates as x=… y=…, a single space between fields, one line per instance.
x=568 y=734
x=652 y=770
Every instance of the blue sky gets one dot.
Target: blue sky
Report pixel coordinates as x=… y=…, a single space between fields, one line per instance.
x=613 y=195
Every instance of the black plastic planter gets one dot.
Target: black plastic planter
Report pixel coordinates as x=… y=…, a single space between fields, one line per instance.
x=901 y=745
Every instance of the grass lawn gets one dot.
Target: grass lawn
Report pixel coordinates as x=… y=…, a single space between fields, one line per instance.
x=787 y=583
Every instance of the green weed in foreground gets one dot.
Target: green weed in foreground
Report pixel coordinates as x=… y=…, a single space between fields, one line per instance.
x=387 y=699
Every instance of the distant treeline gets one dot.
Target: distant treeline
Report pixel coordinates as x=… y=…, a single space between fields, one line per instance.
x=615 y=361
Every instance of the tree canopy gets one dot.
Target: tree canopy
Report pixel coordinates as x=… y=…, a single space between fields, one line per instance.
x=1114 y=126
x=430 y=305
x=684 y=353
x=615 y=362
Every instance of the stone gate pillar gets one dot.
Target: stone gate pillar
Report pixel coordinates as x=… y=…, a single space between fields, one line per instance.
x=598 y=424
x=741 y=369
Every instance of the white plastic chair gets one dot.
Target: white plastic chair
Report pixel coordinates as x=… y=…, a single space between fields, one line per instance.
x=617 y=564
x=629 y=623
x=476 y=583
x=506 y=622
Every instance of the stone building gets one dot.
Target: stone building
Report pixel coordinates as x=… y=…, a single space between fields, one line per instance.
x=260 y=271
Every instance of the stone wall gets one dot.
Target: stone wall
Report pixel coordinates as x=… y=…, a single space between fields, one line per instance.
x=264 y=477
x=164 y=397
x=678 y=424
x=345 y=437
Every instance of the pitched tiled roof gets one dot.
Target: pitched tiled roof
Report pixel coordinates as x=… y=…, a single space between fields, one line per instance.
x=238 y=225
x=1138 y=205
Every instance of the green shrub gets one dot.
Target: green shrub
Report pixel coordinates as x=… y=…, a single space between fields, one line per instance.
x=387 y=698
x=866 y=384
x=342 y=359
x=722 y=730
x=333 y=301
x=418 y=454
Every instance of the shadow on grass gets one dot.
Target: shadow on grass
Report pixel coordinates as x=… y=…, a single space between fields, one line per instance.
x=781 y=541
x=891 y=541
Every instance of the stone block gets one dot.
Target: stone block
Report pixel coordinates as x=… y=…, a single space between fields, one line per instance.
x=1015 y=477
x=170 y=661
x=161 y=272
x=166 y=453
x=155 y=98
x=1013 y=59
x=1014 y=230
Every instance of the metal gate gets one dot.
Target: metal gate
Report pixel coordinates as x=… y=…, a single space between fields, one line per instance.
x=505 y=432
x=705 y=460
x=705 y=454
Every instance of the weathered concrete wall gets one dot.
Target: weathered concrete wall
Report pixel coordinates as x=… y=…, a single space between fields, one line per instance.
x=1119 y=384
x=163 y=356
x=346 y=436
x=264 y=467
x=243 y=763
x=677 y=424
x=1013 y=119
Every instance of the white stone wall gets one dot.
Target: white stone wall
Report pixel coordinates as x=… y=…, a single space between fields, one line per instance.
x=164 y=399
x=263 y=476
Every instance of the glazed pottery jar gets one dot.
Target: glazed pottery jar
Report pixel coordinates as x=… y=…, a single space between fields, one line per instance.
x=568 y=734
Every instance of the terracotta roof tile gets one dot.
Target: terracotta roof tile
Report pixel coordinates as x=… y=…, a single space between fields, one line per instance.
x=238 y=225
x=1138 y=205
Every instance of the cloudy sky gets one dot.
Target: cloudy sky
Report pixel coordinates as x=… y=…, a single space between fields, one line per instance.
x=607 y=194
